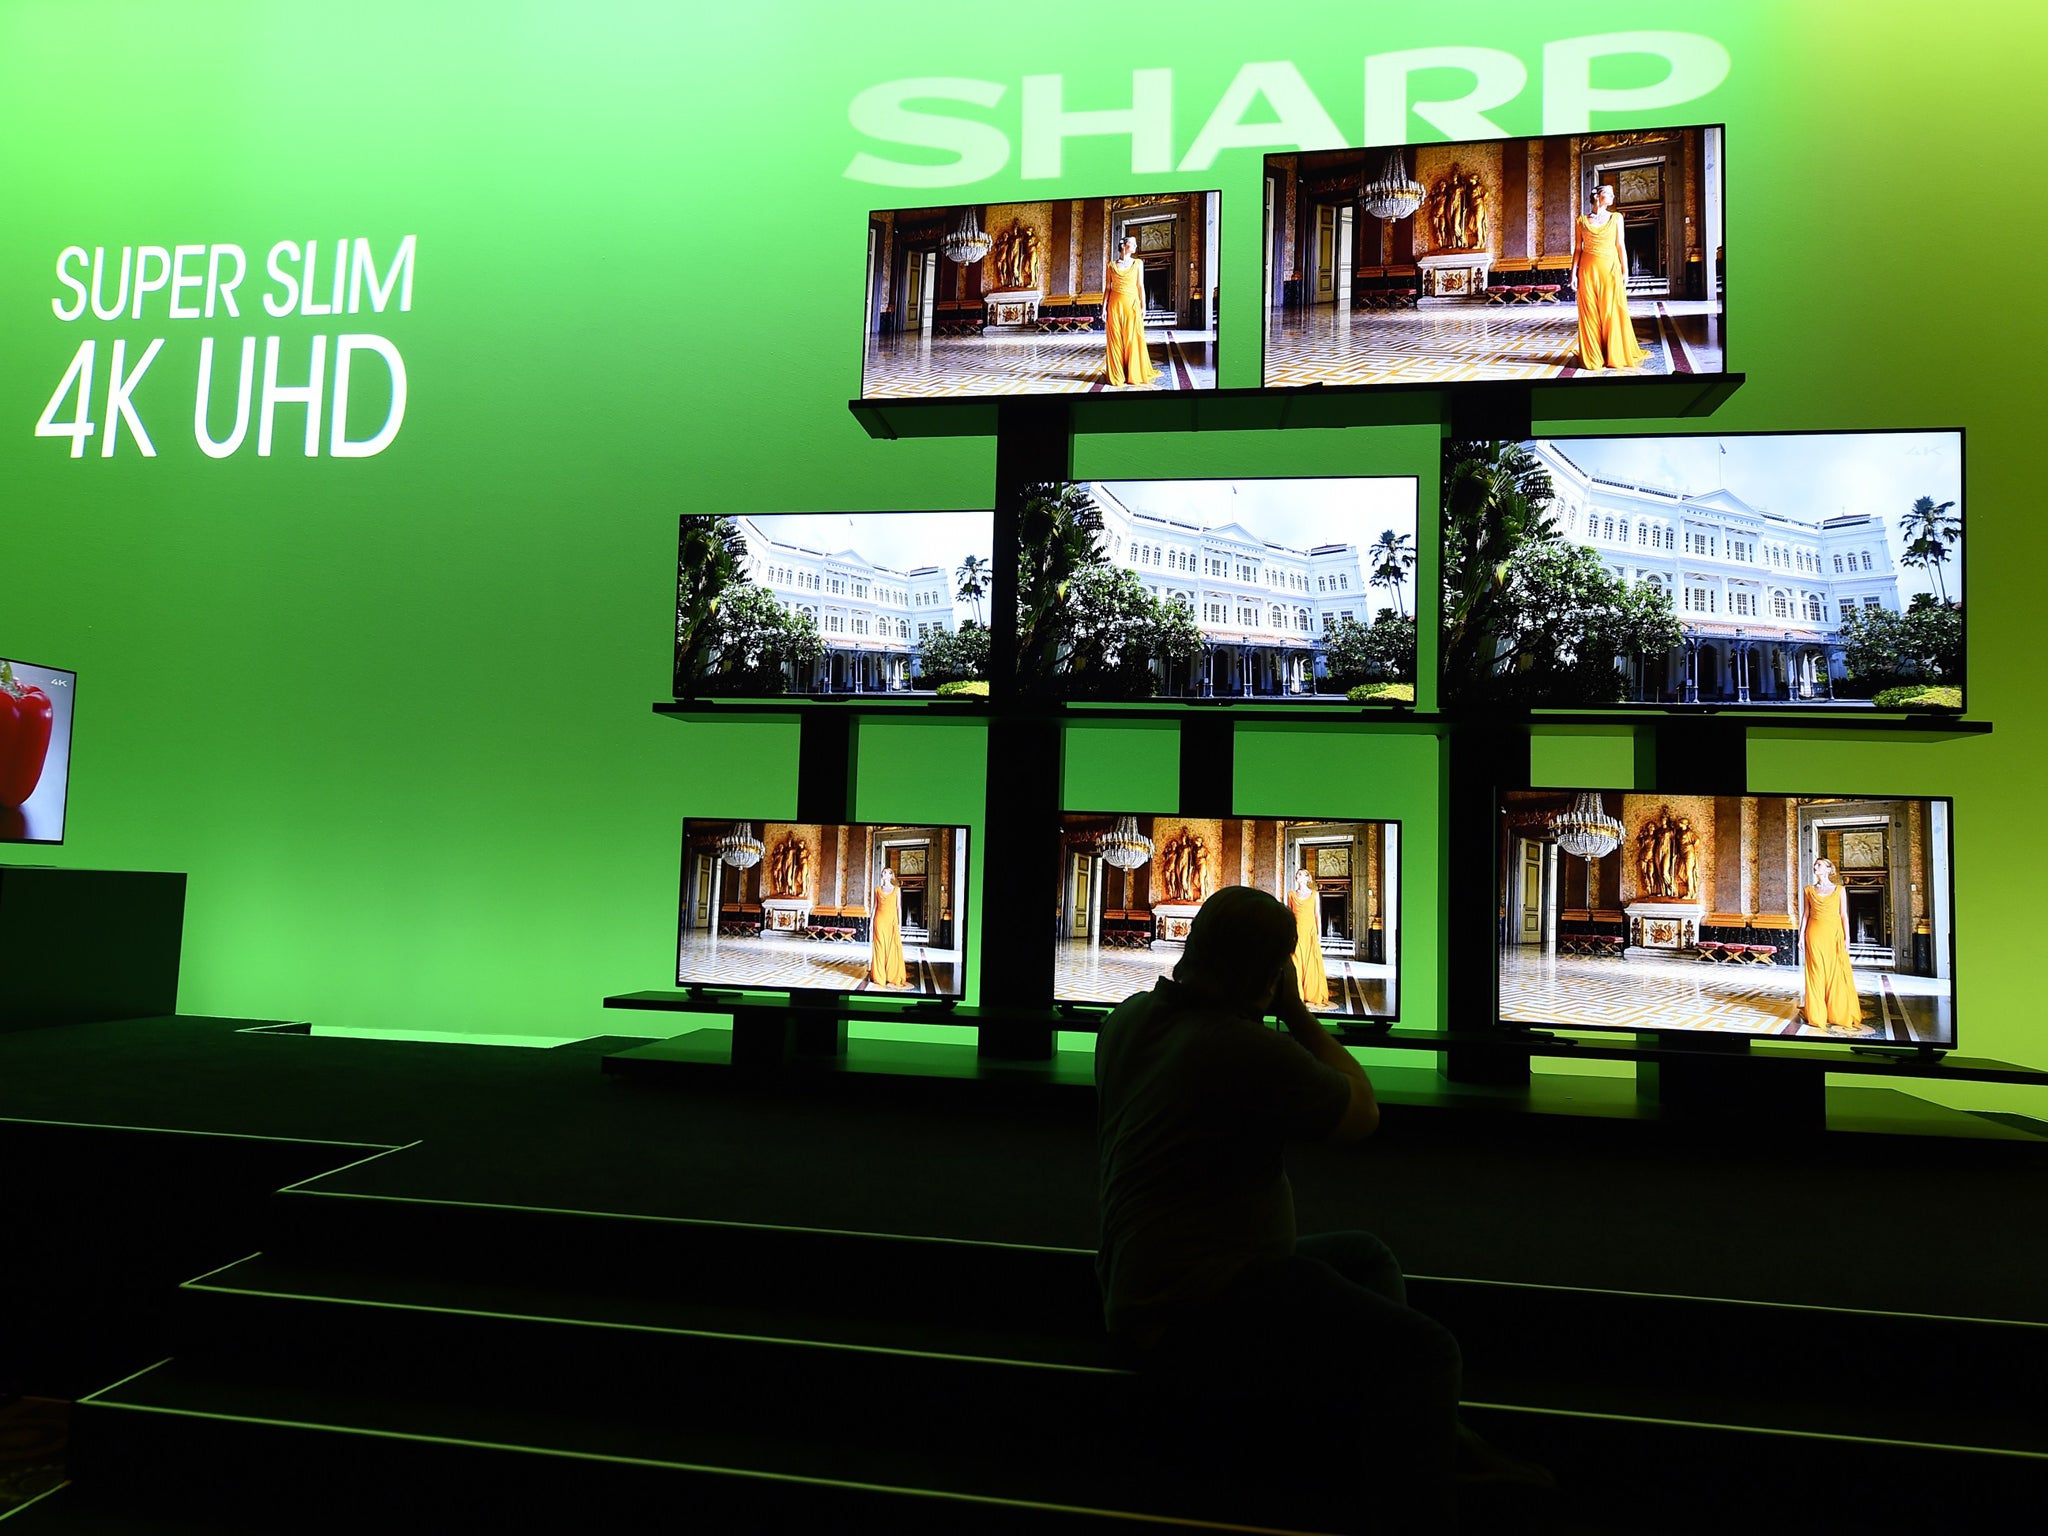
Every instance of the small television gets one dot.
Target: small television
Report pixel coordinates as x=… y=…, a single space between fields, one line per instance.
x=1251 y=591
x=871 y=605
x=862 y=908
x=1439 y=264
x=1060 y=296
x=1813 y=917
x=36 y=706
x=1761 y=570
x=1131 y=884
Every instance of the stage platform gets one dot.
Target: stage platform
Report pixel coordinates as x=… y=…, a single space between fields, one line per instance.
x=315 y=1283
x=1903 y=1207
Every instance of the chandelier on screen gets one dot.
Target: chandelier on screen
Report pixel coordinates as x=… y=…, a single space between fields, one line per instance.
x=1586 y=829
x=739 y=847
x=968 y=242
x=1124 y=846
x=1395 y=195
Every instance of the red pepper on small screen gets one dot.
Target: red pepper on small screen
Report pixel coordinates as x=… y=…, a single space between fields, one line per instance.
x=25 y=714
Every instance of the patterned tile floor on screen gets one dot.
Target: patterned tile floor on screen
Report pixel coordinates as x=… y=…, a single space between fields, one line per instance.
x=829 y=966
x=1538 y=987
x=906 y=364
x=1087 y=973
x=1328 y=345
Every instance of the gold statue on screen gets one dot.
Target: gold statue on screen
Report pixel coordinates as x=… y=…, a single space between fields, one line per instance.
x=1184 y=868
x=789 y=867
x=1668 y=858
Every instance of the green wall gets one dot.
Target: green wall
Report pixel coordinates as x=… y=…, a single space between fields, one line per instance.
x=391 y=712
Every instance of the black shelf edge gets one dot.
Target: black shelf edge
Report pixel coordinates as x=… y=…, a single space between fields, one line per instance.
x=1390 y=718
x=1659 y=397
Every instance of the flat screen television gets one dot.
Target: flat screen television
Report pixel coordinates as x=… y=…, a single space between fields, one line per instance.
x=1750 y=570
x=1130 y=886
x=1705 y=914
x=1059 y=297
x=1435 y=264
x=859 y=604
x=35 y=750
x=799 y=906
x=1277 y=591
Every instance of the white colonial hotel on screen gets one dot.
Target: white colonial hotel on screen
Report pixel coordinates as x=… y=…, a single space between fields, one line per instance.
x=1761 y=596
x=870 y=616
x=1262 y=607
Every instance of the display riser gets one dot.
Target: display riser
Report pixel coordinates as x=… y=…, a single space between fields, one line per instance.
x=88 y=944
x=392 y=1362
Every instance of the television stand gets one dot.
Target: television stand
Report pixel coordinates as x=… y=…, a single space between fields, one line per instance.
x=1926 y=1054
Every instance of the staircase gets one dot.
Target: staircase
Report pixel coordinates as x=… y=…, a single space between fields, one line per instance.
x=387 y=1363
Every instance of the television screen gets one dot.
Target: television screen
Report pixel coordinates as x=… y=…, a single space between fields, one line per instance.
x=1768 y=569
x=864 y=603
x=1277 y=590
x=809 y=907
x=1571 y=255
x=35 y=750
x=1066 y=296
x=1818 y=917
x=1130 y=885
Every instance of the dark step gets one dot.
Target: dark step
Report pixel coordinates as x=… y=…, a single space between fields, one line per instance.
x=926 y=1280
x=182 y=1438
x=993 y=1298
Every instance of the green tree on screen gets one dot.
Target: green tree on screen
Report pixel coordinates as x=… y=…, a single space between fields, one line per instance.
x=710 y=561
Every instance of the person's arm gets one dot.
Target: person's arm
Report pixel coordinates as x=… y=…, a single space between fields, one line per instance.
x=1362 y=1115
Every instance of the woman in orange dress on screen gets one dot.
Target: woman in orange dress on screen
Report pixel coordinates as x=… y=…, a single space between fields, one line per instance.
x=1607 y=337
x=1309 y=974
x=1123 y=315
x=1831 y=1002
x=885 y=934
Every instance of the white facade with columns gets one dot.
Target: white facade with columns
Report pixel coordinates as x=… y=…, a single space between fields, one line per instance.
x=870 y=616
x=1761 y=595
x=1262 y=607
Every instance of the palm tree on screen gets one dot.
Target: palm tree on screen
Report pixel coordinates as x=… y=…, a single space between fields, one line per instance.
x=973 y=575
x=1932 y=532
x=1393 y=557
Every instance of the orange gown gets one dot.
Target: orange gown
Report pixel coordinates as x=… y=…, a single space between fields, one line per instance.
x=1607 y=337
x=885 y=951
x=1123 y=314
x=1824 y=948
x=1309 y=974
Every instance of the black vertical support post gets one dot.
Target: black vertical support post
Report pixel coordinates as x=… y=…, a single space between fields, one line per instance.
x=1697 y=757
x=824 y=765
x=1494 y=413
x=1711 y=757
x=1208 y=764
x=1480 y=760
x=1020 y=825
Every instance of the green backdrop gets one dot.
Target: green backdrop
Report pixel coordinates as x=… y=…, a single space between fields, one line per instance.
x=391 y=713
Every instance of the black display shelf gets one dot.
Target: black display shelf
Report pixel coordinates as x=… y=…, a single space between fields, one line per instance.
x=1393 y=718
x=1321 y=405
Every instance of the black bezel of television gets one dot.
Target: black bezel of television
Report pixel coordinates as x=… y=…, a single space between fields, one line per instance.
x=1057 y=293
x=1651 y=914
x=1131 y=945
x=1759 y=597
x=1258 y=643
x=35 y=751
x=807 y=619
x=778 y=933
x=1432 y=257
